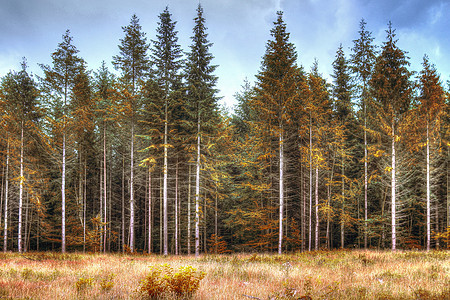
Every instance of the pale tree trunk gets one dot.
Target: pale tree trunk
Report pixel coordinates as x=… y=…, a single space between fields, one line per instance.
x=104 y=190
x=63 y=196
x=123 y=204
x=428 y=192
x=365 y=177
x=150 y=227
x=197 y=194
x=131 y=244
x=176 y=209
x=19 y=238
x=310 y=184
x=343 y=205
x=165 y=185
x=5 y=229
x=317 y=208
x=393 y=191
x=84 y=207
x=281 y=187
x=189 y=213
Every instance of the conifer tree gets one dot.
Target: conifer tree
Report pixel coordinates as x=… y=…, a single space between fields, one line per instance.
x=57 y=84
x=275 y=93
x=201 y=102
x=391 y=88
x=362 y=62
x=431 y=108
x=133 y=62
x=166 y=58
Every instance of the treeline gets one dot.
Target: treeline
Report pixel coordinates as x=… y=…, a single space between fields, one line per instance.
x=147 y=161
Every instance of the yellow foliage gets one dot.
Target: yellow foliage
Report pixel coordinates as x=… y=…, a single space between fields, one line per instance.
x=387 y=169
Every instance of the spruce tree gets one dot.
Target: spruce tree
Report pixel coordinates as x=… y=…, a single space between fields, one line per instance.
x=362 y=61
x=133 y=62
x=166 y=59
x=392 y=91
x=201 y=102
x=57 y=85
x=276 y=92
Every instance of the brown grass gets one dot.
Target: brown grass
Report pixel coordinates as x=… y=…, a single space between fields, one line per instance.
x=319 y=275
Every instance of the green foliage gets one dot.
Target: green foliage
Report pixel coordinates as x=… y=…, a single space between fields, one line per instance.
x=164 y=282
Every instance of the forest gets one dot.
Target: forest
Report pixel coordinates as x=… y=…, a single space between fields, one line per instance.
x=144 y=159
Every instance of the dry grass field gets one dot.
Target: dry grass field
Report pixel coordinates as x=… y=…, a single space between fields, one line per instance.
x=314 y=275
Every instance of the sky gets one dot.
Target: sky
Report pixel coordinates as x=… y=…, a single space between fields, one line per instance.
x=238 y=29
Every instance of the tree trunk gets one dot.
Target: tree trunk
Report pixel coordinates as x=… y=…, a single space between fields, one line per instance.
x=63 y=197
x=393 y=191
x=316 y=194
x=150 y=227
x=131 y=245
x=365 y=177
x=428 y=192
x=19 y=237
x=197 y=194
x=176 y=209
x=123 y=204
x=5 y=228
x=165 y=184
x=310 y=184
x=105 y=220
x=281 y=187
x=189 y=213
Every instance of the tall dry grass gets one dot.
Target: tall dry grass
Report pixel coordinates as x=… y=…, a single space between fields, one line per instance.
x=314 y=275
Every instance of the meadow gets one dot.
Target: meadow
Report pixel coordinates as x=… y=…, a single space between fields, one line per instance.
x=343 y=274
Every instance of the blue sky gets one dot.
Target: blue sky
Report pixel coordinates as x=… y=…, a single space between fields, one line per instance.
x=239 y=30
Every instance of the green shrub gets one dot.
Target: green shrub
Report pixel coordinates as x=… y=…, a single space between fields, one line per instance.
x=164 y=282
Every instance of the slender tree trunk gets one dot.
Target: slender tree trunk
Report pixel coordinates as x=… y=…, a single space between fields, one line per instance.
x=197 y=194
x=176 y=209
x=63 y=197
x=26 y=237
x=428 y=192
x=105 y=220
x=5 y=228
x=166 y=239
x=84 y=206
x=310 y=184
x=189 y=213
x=19 y=238
x=365 y=176
x=150 y=227
x=123 y=204
x=343 y=206
x=281 y=187
x=317 y=209
x=393 y=191
x=132 y=190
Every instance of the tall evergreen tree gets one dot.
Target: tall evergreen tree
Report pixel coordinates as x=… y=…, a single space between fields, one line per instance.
x=133 y=62
x=276 y=92
x=201 y=102
x=362 y=62
x=392 y=90
x=431 y=107
x=57 y=84
x=166 y=58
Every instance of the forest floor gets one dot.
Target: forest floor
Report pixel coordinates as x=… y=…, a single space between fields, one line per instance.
x=313 y=275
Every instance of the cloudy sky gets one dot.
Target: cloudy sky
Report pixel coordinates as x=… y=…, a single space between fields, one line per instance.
x=239 y=30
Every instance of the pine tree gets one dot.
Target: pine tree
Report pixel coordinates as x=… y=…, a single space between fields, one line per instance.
x=57 y=84
x=201 y=102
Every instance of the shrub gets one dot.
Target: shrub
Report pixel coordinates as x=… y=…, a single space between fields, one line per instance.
x=83 y=283
x=164 y=282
